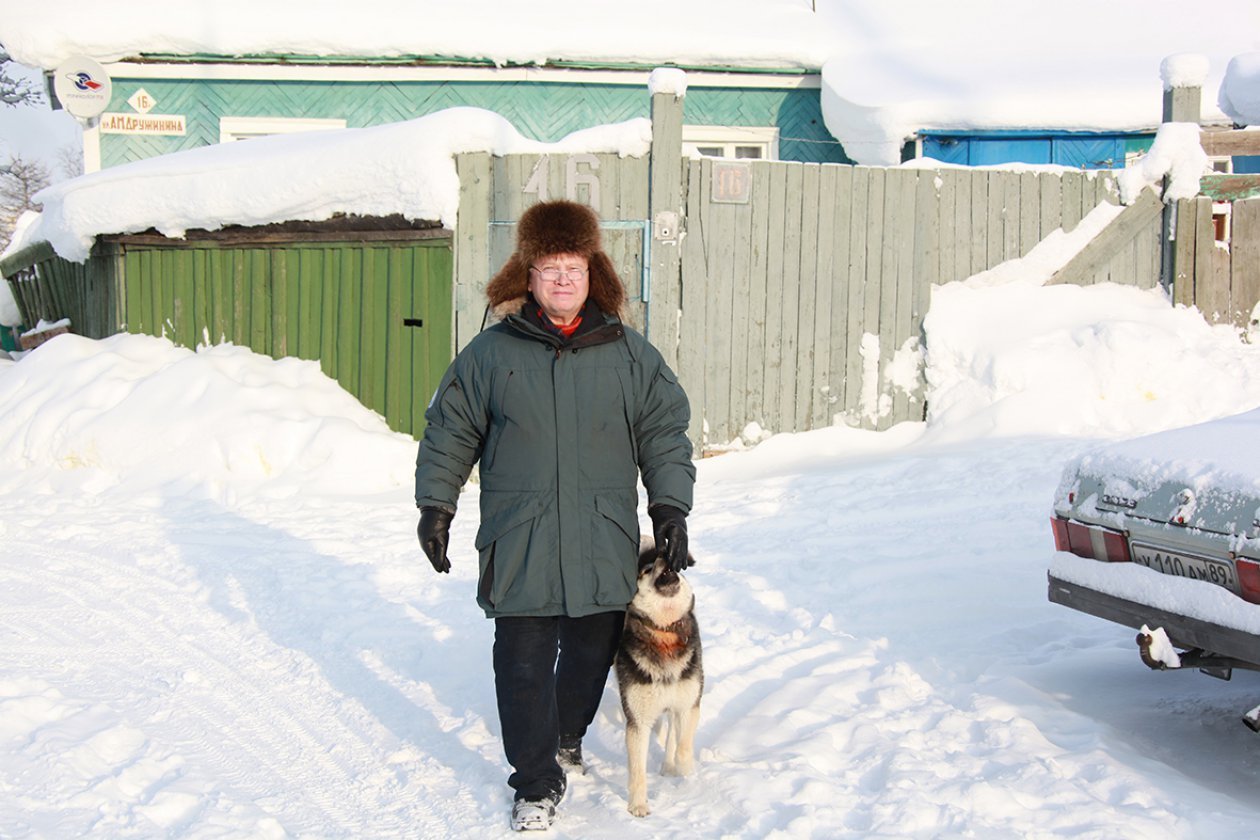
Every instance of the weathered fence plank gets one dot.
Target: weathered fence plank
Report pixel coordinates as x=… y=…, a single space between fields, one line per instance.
x=775 y=370
x=472 y=244
x=790 y=282
x=855 y=309
x=927 y=260
x=1029 y=212
x=805 y=301
x=878 y=257
x=1183 y=252
x=692 y=338
x=1071 y=185
x=719 y=243
x=947 y=224
x=1245 y=260
x=1133 y=220
x=840 y=279
x=755 y=403
x=1207 y=294
x=1050 y=200
x=980 y=231
x=825 y=254
x=894 y=327
x=742 y=309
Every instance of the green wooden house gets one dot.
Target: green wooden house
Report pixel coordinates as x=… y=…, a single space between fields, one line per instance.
x=738 y=112
x=183 y=79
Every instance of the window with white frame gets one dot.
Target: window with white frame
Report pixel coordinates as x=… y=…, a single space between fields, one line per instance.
x=743 y=142
x=232 y=129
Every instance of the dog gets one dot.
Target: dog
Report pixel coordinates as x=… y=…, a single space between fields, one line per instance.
x=659 y=672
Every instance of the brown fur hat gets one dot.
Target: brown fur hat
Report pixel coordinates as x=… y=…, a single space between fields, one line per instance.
x=556 y=227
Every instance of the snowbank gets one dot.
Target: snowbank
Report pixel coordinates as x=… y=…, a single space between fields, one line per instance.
x=10 y=316
x=136 y=412
x=1023 y=359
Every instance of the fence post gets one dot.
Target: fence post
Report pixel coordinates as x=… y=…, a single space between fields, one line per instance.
x=665 y=213
x=1182 y=103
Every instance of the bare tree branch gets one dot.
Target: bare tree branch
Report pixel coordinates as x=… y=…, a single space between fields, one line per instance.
x=16 y=91
x=20 y=179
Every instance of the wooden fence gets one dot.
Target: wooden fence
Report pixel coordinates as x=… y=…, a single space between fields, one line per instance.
x=1215 y=254
x=790 y=295
x=803 y=306
x=800 y=303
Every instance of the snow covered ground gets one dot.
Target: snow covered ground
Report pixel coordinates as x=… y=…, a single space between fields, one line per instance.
x=215 y=620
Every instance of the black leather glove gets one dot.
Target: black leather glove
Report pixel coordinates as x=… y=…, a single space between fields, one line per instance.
x=434 y=531
x=669 y=529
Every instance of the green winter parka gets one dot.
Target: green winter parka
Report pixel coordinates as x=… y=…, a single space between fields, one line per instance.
x=562 y=430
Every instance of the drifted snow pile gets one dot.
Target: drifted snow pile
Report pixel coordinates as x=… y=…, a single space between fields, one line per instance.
x=1106 y=361
x=137 y=412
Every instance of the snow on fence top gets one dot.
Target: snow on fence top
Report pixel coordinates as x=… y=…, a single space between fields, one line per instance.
x=403 y=168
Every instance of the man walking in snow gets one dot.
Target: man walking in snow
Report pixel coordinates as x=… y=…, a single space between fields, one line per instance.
x=565 y=408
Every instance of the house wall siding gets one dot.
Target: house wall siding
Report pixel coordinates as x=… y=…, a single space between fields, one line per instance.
x=543 y=111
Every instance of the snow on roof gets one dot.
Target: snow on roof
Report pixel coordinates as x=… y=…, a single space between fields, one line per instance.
x=752 y=33
x=405 y=168
x=889 y=70
x=1240 y=90
x=898 y=68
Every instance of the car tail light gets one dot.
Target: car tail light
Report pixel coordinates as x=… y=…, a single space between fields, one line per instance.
x=1096 y=543
x=1060 y=527
x=1248 y=578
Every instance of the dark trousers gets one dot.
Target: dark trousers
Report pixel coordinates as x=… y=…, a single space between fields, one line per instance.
x=549 y=676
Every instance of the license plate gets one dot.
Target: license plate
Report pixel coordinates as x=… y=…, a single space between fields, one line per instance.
x=1185 y=565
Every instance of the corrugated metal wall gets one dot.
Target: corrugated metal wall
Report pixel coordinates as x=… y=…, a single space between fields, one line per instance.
x=376 y=315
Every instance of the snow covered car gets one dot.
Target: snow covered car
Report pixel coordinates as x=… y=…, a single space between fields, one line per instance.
x=1162 y=533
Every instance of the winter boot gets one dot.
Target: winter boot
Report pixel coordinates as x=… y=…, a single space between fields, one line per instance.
x=570 y=755
x=533 y=814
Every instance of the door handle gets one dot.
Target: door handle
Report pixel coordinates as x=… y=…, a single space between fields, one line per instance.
x=413 y=322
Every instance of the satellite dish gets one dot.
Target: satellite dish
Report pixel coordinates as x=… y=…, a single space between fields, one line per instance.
x=82 y=86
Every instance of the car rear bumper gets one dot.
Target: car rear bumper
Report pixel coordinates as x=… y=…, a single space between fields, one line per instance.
x=1183 y=631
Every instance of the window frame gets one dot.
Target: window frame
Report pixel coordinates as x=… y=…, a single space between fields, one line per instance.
x=232 y=129
x=728 y=138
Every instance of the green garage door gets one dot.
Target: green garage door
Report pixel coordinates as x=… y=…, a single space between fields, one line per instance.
x=376 y=315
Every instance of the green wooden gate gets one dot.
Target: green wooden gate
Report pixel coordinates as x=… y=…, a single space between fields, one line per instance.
x=375 y=314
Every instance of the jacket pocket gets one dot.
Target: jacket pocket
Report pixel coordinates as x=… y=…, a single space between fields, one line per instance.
x=498 y=414
x=500 y=513
x=616 y=546
x=516 y=551
x=620 y=507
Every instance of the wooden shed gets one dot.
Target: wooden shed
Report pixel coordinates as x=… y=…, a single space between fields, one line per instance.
x=369 y=298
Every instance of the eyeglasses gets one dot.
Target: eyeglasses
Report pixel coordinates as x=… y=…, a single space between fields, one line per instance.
x=553 y=275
